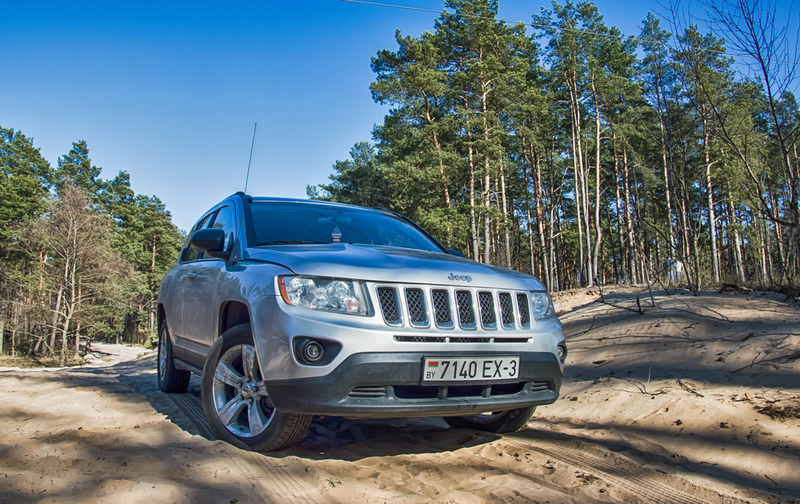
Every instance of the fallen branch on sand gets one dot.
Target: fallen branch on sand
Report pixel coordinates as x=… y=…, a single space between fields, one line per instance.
x=638 y=304
x=689 y=389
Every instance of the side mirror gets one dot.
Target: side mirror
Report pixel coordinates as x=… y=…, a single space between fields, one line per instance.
x=212 y=241
x=455 y=252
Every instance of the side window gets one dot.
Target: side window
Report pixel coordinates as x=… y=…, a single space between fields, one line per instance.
x=225 y=221
x=190 y=254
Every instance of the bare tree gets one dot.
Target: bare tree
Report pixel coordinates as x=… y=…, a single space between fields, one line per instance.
x=749 y=27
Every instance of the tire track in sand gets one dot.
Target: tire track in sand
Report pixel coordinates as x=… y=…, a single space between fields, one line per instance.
x=275 y=481
x=640 y=485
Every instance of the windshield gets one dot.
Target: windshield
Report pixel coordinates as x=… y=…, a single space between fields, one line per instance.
x=294 y=223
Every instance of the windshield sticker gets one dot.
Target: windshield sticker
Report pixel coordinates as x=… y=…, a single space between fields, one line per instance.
x=336 y=235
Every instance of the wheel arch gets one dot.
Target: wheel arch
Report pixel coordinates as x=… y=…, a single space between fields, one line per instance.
x=161 y=317
x=231 y=314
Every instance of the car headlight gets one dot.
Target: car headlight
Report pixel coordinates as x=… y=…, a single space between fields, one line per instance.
x=542 y=305
x=330 y=294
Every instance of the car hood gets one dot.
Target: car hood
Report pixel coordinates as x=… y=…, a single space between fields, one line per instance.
x=391 y=264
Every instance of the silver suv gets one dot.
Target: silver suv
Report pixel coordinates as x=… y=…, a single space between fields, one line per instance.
x=292 y=308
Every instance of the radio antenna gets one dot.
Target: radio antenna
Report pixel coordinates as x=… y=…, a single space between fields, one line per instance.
x=247 y=179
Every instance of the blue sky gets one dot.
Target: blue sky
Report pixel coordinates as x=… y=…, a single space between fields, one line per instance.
x=169 y=91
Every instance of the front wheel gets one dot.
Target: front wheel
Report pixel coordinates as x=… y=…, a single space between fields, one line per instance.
x=235 y=399
x=497 y=421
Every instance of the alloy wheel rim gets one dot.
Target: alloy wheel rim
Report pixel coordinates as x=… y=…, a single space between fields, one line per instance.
x=239 y=394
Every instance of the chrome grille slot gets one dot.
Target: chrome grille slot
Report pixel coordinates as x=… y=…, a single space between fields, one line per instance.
x=511 y=340
x=469 y=340
x=387 y=297
x=417 y=311
x=506 y=310
x=524 y=310
x=420 y=339
x=441 y=308
x=466 y=313
x=488 y=316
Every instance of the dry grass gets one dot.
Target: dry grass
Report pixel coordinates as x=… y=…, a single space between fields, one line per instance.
x=26 y=362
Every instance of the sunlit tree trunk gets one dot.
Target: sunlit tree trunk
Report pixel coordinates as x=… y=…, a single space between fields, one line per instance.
x=598 y=227
x=577 y=165
x=505 y=213
x=632 y=265
x=712 y=222
x=623 y=263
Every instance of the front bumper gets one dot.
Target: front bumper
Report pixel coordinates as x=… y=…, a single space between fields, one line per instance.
x=385 y=385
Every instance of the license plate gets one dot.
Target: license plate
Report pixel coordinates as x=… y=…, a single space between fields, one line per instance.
x=466 y=369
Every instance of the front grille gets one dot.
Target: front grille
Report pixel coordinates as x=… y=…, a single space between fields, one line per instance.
x=466 y=315
x=442 y=307
x=524 y=310
x=486 y=302
x=417 y=313
x=506 y=310
x=387 y=297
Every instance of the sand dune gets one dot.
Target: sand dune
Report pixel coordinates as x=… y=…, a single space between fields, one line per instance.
x=694 y=401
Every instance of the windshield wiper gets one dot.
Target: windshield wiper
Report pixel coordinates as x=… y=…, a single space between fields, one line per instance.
x=292 y=242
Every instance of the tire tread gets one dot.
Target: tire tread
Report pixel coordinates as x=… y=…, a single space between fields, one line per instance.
x=174 y=380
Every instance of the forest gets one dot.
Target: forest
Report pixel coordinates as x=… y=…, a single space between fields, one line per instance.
x=562 y=148
x=587 y=156
x=80 y=257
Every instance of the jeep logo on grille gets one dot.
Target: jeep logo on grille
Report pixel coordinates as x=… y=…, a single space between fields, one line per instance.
x=463 y=278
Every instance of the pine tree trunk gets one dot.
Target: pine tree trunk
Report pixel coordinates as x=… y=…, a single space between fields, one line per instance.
x=712 y=222
x=540 y=215
x=766 y=257
x=13 y=330
x=598 y=227
x=553 y=273
x=632 y=267
x=577 y=165
x=623 y=263
x=445 y=189
x=666 y=171
x=78 y=327
x=505 y=213
x=475 y=242
x=528 y=210
x=487 y=200
x=2 y=326
x=70 y=311
x=54 y=320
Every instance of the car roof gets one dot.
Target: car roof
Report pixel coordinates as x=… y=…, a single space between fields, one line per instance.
x=268 y=199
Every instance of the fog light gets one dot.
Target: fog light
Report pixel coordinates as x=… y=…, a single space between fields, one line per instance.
x=310 y=351
x=562 y=353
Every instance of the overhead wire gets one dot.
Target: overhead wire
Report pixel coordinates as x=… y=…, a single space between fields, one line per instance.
x=561 y=28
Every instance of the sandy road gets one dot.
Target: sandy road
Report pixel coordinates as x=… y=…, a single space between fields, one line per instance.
x=107 y=434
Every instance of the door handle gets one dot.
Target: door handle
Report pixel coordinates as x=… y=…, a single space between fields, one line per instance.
x=191 y=276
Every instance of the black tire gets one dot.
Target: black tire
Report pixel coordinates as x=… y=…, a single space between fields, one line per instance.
x=498 y=422
x=170 y=379
x=235 y=401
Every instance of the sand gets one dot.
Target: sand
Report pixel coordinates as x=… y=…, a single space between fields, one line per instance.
x=694 y=401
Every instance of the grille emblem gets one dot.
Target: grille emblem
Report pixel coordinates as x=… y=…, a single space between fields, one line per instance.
x=463 y=278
